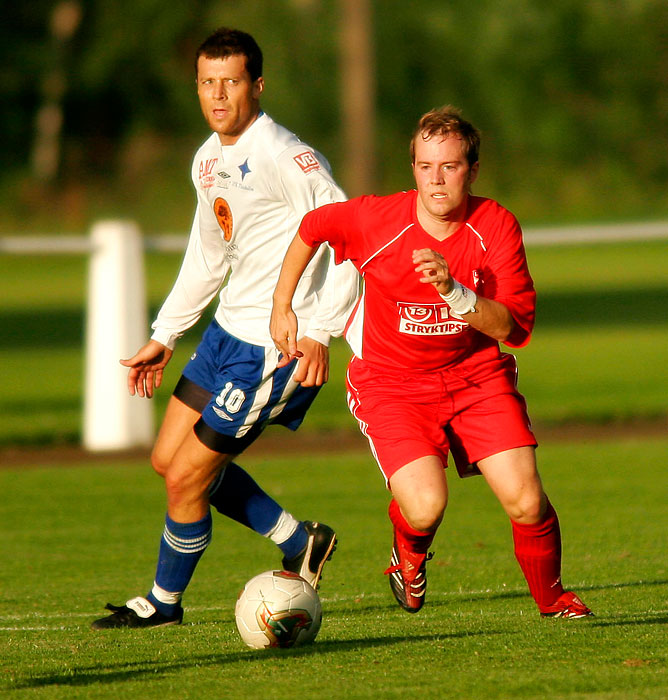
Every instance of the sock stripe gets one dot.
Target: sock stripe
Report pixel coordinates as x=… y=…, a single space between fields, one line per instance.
x=284 y=528
x=165 y=597
x=186 y=545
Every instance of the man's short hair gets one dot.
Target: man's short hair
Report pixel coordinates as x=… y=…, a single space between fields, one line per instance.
x=226 y=42
x=443 y=122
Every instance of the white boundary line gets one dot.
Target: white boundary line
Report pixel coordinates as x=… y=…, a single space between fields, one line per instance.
x=609 y=233
x=228 y=608
x=175 y=243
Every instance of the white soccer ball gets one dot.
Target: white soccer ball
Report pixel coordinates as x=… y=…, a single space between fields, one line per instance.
x=277 y=609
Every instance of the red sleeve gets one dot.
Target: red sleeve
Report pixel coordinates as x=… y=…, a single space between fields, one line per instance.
x=511 y=282
x=333 y=224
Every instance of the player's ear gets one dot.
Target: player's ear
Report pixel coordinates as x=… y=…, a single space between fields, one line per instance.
x=473 y=172
x=258 y=88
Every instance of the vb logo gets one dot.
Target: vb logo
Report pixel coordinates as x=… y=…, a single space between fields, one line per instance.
x=307 y=162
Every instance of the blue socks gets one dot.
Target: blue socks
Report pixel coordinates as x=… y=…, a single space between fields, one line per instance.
x=234 y=494
x=238 y=496
x=181 y=547
x=296 y=543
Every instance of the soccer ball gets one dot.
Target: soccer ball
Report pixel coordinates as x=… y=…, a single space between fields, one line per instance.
x=277 y=609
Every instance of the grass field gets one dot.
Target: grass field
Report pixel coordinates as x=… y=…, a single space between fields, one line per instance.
x=78 y=535
x=75 y=537
x=598 y=353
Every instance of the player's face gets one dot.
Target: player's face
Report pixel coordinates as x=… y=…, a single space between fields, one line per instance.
x=443 y=177
x=229 y=99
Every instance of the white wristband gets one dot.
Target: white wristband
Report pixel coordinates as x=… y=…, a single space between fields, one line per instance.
x=461 y=299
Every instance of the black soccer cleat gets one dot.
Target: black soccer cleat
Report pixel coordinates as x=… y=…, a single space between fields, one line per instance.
x=136 y=613
x=319 y=548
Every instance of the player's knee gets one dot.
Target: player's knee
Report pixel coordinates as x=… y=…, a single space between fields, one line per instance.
x=159 y=462
x=426 y=515
x=424 y=523
x=181 y=487
x=528 y=510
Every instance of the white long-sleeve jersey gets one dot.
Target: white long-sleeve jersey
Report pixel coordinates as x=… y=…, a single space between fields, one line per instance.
x=251 y=197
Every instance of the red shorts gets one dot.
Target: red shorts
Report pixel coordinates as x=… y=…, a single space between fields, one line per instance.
x=407 y=415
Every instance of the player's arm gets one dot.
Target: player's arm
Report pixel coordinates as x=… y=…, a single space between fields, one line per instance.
x=283 y=322
x=336 y=300
x=485 y=315
x=202 y=273
x=338 y=288
x=199 y=279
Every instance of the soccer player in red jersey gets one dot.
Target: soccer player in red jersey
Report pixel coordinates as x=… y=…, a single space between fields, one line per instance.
x=445 y=281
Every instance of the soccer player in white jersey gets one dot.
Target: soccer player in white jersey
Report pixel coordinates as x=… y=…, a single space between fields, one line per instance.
x=254 y=181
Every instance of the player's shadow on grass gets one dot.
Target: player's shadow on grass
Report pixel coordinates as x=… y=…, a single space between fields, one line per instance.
x=647 y=618
x=625 y=584
x=132 y=671
x=503 y=595
x=626 y=621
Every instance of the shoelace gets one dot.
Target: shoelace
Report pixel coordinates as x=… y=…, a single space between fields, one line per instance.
x=397 y=567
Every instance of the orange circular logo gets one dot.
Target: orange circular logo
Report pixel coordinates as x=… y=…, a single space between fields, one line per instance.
x=224 y=217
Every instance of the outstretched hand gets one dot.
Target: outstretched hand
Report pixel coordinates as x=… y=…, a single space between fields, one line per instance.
x=146 y=368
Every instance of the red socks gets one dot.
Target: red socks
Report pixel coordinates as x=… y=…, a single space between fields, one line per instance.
x=414 y=540
x=537 y=549
x=538 y=552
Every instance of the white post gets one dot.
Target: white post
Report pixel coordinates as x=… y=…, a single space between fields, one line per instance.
x=116 y=327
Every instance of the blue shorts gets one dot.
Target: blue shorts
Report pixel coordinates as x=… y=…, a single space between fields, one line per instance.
x=238 y=390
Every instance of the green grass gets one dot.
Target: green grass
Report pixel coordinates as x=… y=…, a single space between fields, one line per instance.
x=598 y=352
x=76 y=536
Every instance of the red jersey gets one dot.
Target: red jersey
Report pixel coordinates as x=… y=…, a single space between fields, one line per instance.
x=401 y=322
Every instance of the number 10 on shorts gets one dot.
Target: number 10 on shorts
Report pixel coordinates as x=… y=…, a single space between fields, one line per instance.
x=230 y=399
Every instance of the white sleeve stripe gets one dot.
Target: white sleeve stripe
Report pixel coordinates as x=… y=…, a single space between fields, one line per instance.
x=482 y=242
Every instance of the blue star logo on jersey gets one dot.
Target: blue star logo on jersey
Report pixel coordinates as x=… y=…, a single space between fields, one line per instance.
x=244 y=169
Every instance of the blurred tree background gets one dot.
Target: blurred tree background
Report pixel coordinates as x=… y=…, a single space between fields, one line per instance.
x=99 y=116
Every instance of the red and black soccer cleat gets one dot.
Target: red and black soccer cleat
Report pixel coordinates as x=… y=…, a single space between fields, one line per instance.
x=569 y=606
x=408 y=575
